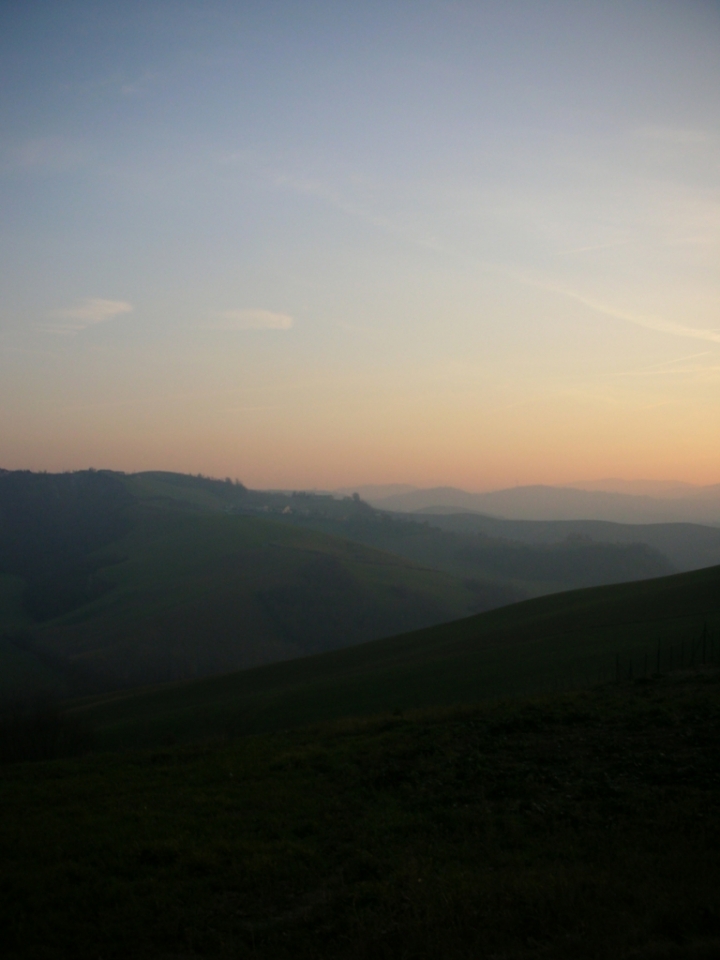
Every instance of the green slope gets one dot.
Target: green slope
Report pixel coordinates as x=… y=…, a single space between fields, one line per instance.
x=524 y=569
x=12 y=614
x=509 y=569
x=108 y=581
x=688 y=546
x=197 y=594
x=539 y=645
x=128 y=580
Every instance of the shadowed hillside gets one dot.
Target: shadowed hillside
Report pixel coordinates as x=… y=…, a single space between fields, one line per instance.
x=200 y=594
x=688 y=546
x=108 y=581
x=540 y=645
x=50 y=527
x=530 y=568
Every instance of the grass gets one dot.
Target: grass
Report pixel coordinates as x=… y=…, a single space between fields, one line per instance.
x=193 y=594
x=575 y=826
x=22 y=675
x=541 y=645
x=12 y=614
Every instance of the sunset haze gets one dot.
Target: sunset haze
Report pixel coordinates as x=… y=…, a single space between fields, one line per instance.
x=324 y=244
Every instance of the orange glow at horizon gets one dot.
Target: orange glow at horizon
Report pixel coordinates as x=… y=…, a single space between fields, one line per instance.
x=462 y=248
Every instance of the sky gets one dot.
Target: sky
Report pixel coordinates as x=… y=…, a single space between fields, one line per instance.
x=316 y=244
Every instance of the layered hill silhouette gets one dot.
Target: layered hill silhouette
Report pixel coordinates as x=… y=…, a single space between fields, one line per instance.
x=527 y=565
x=688 y=546
x=110 y=580
x=540 y=502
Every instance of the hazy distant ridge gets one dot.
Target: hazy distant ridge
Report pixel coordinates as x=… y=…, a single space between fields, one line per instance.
x=561 y=503
x=658 y=489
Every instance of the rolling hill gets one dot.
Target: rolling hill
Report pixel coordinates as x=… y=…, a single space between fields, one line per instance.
x=572 y=825
x=537 y=646
x=202 y=594
x=688 y=546
x=526 y=567
x=110 y=582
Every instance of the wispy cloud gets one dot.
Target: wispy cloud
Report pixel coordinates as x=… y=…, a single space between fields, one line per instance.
x=249 y=320
x=678 y=365
x=334 y=198
x=87 y=313
x=596 y=247
x=659 y=324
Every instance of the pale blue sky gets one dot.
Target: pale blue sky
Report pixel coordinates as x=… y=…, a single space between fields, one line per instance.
x=318 y=244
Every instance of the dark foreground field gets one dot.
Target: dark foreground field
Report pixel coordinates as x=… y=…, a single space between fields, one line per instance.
x=576 y=826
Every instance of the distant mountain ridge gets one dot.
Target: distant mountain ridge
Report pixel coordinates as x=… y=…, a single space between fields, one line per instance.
x=541 y=502
x=375 y=491
x=663 y=489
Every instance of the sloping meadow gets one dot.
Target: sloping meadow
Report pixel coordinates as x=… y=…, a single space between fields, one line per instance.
x=564 y=641
x=577 y=826
x=106 y=583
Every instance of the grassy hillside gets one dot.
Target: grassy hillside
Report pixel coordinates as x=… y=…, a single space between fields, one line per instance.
x=509 y=568
x=528 y=569
x=533 y=647
x=51 y=525
x=579 y=827
x=13 y=614
x=107 y=581
x=198 y=594
x=688 y=546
